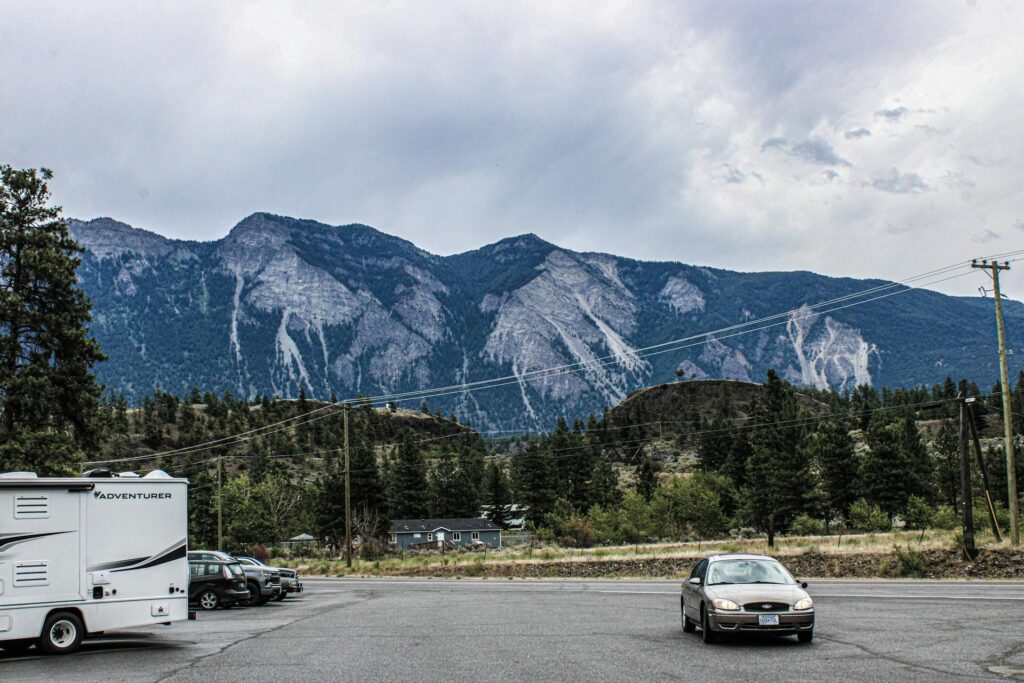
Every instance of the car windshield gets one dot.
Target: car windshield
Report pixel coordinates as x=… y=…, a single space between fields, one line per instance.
x=235 y=569
x=748 y=571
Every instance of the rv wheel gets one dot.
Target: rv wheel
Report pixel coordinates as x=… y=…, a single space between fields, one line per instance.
x=62 y=634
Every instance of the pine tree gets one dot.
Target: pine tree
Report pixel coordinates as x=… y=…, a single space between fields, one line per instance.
x=947 y=462
x=885 y=475
x=777 y=471
x=48 y=393
x=604 y=485
x=832 y=449
x=647 y=478
x=534 y=478
x=498 y=495
x=408 y=496
x=443 y=482
x=914 y=453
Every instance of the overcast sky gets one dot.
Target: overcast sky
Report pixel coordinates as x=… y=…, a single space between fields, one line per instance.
x=867 y=139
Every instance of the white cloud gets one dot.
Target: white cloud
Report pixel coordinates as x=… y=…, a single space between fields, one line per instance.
x=635 y=128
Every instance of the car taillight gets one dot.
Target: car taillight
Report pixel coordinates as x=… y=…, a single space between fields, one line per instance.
x=227 y=572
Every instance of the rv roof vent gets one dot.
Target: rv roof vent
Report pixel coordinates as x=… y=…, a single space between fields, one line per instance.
x=128 y=475
x=99 y=473
x=18 y=475
x=158 y=474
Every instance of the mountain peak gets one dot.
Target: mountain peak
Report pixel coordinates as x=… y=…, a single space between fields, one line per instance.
x=106 y=237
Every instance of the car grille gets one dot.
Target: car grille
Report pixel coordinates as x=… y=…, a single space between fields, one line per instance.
x=288 y=572
x=766 y=607
x=276 y=578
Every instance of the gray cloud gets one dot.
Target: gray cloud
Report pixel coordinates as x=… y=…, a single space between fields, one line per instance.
x=894 y=114
x=897 y=229
x=898 y=182
x=813 y=149
x=634 y=129
x=985 y=236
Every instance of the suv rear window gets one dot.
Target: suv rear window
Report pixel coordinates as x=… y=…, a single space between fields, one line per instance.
x=235 y=568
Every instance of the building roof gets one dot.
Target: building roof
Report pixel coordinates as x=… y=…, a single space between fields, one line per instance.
x=403 y=526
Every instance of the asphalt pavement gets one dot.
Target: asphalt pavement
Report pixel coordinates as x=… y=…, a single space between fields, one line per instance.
x=500 y=630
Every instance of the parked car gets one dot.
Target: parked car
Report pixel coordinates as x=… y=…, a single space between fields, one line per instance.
x=290 y=582
x=264 y=584
x=216 y=583
x=745 y=594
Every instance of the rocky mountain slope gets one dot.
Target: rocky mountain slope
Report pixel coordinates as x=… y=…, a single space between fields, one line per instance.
x=281 y=303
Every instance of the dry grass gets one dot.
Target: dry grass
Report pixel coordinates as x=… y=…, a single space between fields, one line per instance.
x=788 y=546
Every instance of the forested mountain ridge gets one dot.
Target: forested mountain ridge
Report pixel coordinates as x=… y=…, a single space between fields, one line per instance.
x=281 y=304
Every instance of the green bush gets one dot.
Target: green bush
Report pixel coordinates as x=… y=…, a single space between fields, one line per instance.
x=910 y=563
x=869 y=518
x=945 y=517
x=919 y=514
x=805 y=525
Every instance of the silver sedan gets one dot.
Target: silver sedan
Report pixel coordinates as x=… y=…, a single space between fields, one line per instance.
x=745 y=594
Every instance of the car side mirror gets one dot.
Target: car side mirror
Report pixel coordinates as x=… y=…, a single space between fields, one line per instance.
x=695 y=580
x=803 y=584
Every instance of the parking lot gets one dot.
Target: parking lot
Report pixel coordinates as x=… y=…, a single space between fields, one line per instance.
x=348 y=629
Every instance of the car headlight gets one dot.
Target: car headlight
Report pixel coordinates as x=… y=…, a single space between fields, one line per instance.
x=725 y=605
x=806 y=603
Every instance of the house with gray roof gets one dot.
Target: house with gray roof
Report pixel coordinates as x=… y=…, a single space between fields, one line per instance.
x=403 y=534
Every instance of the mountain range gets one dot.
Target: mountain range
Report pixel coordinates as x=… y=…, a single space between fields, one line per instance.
x=282 y=304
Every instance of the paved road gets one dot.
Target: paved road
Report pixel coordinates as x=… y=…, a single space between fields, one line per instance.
x=391 y=630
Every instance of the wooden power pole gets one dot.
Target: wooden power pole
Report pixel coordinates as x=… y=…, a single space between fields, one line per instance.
x=220 y=509
x=994 y=267
x=348 y=496
x=970 y=551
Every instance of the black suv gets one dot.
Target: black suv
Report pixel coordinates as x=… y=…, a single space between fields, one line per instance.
x=216 y=583
x=264 y=584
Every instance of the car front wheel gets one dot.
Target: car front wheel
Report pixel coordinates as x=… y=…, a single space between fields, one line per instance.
x=709 y=636
x=688 y=626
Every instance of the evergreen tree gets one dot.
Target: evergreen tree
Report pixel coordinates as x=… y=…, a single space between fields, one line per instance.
x=914 y=453
x=778 y=474
x=647 y=478
x=947 y=462
x=443 y=481
x=832 y=450
x=535 y=481
x=408 y=497
x=48 y=393
x=365 y=478
x=604 y=485
x=498 y=495
x=885 y=475
x=715 y=439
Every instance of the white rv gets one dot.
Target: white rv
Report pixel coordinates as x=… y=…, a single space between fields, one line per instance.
x=90 y=554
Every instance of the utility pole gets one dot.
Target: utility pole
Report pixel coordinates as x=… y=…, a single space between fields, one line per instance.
x=970 y=551
x=993 y=522
x=994 y=267
x=220 y=510
x=348 y=496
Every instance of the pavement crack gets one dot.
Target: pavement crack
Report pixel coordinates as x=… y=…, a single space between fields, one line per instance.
x=1002 y=666
x=893 y=658
x=259 y=633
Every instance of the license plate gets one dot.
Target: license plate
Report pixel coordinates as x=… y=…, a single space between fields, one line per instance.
x=767 y=619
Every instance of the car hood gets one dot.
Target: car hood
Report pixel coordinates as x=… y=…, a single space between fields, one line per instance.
x=743 y=593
